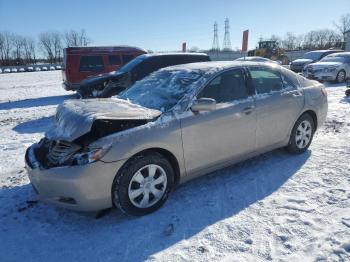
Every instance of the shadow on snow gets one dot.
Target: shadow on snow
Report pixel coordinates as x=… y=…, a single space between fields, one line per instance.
x=34 y=126
x=47 y=233
x=35 y=102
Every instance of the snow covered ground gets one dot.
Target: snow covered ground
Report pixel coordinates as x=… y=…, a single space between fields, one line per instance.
x=273 y=207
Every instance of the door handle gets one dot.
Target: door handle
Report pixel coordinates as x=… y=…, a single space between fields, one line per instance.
x=292 y=93
x=248 y=110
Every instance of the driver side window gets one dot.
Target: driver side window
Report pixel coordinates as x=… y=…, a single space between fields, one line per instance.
x=227 y=87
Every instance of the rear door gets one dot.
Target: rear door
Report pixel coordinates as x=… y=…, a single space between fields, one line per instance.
x=279 y=102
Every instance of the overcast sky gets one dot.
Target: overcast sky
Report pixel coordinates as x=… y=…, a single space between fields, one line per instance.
x=164 y=25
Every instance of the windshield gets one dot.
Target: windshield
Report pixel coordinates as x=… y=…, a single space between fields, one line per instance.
x=338 y=59
x=129 y=66
x=161 y=90
x=313 y=55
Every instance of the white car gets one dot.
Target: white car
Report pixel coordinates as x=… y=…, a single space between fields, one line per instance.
x=14 y=70
x=37 y=69
x=334 y=67
x=30 y=69
x=52 y=68
x=21 y=69
x=0 y=71
x=44 y=68
x=58 y=67
x=257 y=59
x=7 y=70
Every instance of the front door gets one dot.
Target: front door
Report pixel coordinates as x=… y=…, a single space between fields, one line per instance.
x=215 y=137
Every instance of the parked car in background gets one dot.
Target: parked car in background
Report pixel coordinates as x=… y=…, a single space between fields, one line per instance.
x=14 y=70
x=176 y=124
x=52 y=68
x=44 y=68
x=333 y=68
x=37 y=69
x=310 y=57
x=58 y=67
x=81 y=62
x=30 y=69
x=7 y=70
x=257 y=59
x=21 y=69
x=0 y=71
x=110 y=84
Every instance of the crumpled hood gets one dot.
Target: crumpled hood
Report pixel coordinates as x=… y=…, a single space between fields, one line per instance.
x=302 y=61
x=325 y=64
x=74 y=118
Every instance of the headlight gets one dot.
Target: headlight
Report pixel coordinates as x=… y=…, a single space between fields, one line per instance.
x=91 y=156
x=329 y=69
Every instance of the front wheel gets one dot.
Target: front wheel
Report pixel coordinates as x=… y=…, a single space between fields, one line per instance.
x=341 y=76
x=347 y=92
x=143 y=184
x=302 y=134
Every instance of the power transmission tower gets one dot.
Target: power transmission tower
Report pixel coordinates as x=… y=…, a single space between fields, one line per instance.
x=226 y=46
x=215 y=46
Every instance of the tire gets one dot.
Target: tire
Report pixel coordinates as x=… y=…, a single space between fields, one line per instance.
x=301 y=135
x=347 y=92
x=134 y=182
x=341 y=77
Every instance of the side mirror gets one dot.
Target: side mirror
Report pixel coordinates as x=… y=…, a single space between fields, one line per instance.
x=204 y=104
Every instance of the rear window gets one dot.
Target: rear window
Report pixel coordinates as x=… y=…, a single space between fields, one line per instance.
x=114 y=60
x=266 y=80
x=91 y=64
x=127 y=58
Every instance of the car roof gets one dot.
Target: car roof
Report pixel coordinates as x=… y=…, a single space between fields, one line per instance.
x=173 y=54
x=341 y=54
x=218 y=65
x=325 y=51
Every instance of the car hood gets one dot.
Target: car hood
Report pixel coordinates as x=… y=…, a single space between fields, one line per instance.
x=324 y=64
x=75 y=118
x=301 y=61
x=101 y=78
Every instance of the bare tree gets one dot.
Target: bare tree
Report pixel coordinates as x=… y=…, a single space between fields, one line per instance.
x=18 y=46
x=29 y=50
x=51 y=45
x=343 y=25
x=5 y=47
x=76 y=38
x=290 y=41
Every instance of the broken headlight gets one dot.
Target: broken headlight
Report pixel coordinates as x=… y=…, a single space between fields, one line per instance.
x=91 y=155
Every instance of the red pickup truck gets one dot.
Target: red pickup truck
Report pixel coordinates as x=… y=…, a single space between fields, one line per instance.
x=81 y=62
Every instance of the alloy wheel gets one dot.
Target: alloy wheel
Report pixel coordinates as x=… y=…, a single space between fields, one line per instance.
x=147 y=186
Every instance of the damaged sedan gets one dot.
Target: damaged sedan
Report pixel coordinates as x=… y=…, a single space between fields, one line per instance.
x=176 y=124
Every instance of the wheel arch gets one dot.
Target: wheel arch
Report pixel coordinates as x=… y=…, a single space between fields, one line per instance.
x=167 y=155
x=313 y=115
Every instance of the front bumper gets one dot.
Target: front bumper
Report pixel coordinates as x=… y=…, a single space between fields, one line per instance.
x=81 y=188
x=321 y=76
x=70 y=87
x=297 y=68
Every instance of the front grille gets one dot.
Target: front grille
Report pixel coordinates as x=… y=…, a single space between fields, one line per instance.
x=61 y=151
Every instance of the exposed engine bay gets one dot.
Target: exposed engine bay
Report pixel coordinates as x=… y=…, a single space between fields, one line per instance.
x=80 y=123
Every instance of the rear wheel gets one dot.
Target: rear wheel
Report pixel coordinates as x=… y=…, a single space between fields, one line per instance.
x=341 y=76
x=302 y=134
x=143 y=184
x=347 y=92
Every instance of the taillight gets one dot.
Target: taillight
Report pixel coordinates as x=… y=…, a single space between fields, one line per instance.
x=324 y=91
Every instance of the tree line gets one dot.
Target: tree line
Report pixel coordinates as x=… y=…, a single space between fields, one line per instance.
x=47 y=47
x=317 y=39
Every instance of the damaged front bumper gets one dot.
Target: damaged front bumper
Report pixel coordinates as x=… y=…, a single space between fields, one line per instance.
x=80 y=187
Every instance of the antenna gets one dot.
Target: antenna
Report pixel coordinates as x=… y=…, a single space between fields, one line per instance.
x=216 y=46
x=227 y=41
